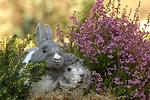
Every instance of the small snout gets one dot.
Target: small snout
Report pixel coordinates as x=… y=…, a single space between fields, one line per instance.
x=82 y=75
x=57 y=57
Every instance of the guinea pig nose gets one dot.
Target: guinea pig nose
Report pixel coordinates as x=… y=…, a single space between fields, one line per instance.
x=82 y=75
x=80 y=82
x=57 y=57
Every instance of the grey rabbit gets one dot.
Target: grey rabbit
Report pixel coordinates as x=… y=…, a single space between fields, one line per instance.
x=47 y=50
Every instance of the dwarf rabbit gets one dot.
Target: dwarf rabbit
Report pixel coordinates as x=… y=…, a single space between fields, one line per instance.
x=76 y=76
x=47 y=50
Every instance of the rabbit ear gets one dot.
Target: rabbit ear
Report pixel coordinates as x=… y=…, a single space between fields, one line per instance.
x=43 y=35
x=48 y=31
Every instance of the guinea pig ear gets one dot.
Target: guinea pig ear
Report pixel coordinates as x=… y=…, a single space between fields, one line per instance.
x=48 y=31
x=81 y=61
x=41 y=35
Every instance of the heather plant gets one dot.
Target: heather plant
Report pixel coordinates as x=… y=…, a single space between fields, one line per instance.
x=12 y=85
x=114 y=47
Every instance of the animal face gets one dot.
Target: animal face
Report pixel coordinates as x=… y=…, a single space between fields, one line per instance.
x=75 y=74
x=53 y=54
x=49 y=51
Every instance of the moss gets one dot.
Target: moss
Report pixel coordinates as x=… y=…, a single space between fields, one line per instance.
x=75 y=95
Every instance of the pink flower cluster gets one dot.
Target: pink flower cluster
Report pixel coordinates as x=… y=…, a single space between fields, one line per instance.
x=97 y=81
x=116 y=45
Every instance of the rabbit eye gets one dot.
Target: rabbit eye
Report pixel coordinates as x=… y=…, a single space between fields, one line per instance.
x=69 y=69
x=44 y=49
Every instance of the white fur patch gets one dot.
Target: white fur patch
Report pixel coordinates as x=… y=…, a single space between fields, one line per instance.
x=76 y=75
x=28 y=57
x=57 y=56
x=26 y=60
x=77 y=72
x=81 y=71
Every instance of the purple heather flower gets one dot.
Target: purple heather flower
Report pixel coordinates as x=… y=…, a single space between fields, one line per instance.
x=97 y=79
x=109 y=73
x=118 y=81
x=128 y=86
x=106 y=38
x=110 y=56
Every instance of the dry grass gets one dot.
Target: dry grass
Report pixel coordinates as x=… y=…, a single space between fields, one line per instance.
x=75 y=95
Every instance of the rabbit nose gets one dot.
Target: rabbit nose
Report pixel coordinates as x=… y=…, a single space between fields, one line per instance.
x=82 y=75
x=57 y=57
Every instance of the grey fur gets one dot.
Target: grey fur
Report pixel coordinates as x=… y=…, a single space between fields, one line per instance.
x=76 y=76
x=69 y=58
x=47 y=48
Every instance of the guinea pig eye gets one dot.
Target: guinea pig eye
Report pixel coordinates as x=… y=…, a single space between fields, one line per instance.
x=44 y=50
x=69 y=69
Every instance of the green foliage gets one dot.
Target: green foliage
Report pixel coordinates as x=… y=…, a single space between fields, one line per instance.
x=12 y=85
x=112 y=45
